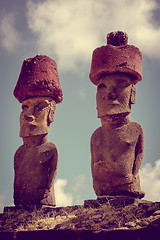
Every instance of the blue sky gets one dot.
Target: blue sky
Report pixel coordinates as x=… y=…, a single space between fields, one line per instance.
x=69 y=31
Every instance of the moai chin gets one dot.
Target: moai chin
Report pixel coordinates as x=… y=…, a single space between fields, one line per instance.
x=36 y=161
x=117 y=147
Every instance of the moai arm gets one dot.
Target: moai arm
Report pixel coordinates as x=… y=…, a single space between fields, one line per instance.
x=92 y=157
x=17 y=157
x=50 y=157
x=139 y=152
x=94 y=146
x=92 y=153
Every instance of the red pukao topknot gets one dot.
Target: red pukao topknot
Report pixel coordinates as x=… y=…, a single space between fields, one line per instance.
x=117 y=56
x=38 y=77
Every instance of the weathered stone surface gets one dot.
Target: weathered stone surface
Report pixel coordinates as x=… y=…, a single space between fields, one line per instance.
x=36 y=161
x=12 y=209
x=117 y=147
x=38 y=77
x=35 y=171
x=117 y=38
x=114 y=201
x=116 y=56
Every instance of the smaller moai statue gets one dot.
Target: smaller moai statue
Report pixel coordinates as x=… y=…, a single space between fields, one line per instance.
x=117 y=147
x=36 y=161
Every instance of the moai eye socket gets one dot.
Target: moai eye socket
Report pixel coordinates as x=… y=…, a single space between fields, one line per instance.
x=102 y=87
x=123 y=83
x=25 y=107
x=101 y=91
x=40 y=107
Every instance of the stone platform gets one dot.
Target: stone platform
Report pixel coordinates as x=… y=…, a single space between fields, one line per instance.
x=103 y=218
x=114 y=201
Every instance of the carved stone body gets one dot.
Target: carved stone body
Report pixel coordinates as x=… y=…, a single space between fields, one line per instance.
x=35 y=170
x=36 y=161
x=117 y=147
x=117 y=153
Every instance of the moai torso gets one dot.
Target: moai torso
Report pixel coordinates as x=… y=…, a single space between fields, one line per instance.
x=116 y=157
x=35 y=170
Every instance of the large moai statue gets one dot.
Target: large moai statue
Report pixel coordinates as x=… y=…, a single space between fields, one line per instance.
x=35 y=162
x=117 y=147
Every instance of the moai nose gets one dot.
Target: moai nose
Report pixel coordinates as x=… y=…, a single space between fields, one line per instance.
x=112 y=95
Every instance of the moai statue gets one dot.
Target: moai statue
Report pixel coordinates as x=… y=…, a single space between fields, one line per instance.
x=117 y=147
x=35 y=162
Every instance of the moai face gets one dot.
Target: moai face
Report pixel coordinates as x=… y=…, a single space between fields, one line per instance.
x=36 y=116
x=115 y=94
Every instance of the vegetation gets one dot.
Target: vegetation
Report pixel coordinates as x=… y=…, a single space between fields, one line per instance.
x=100 y=217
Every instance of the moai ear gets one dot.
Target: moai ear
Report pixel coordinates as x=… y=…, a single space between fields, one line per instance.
x=133 y=94
x=51 y=112
x=50 y=116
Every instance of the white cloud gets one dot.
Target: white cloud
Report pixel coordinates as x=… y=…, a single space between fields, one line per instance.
x=82 y=94
x=79 y=187
x=10 y=37
x=70 y=30
x=150 y=181
x=72 y=194
x=2 y=201
x=62 y=198
x=5 y=200
x=64 y=30
x=79 y=183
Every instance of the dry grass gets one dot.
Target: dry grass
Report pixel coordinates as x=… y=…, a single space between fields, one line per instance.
x=104 y=216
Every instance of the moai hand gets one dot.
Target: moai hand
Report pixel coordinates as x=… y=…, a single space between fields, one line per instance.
x=36 y=161
x=117 y=146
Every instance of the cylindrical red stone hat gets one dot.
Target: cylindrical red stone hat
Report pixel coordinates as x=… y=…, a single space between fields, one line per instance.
x=38 y=78
x=117 y=56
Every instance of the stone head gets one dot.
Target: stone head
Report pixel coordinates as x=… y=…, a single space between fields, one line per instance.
x=115 y=94
x=115 y=70
x=36 y=116
x=38 y=89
